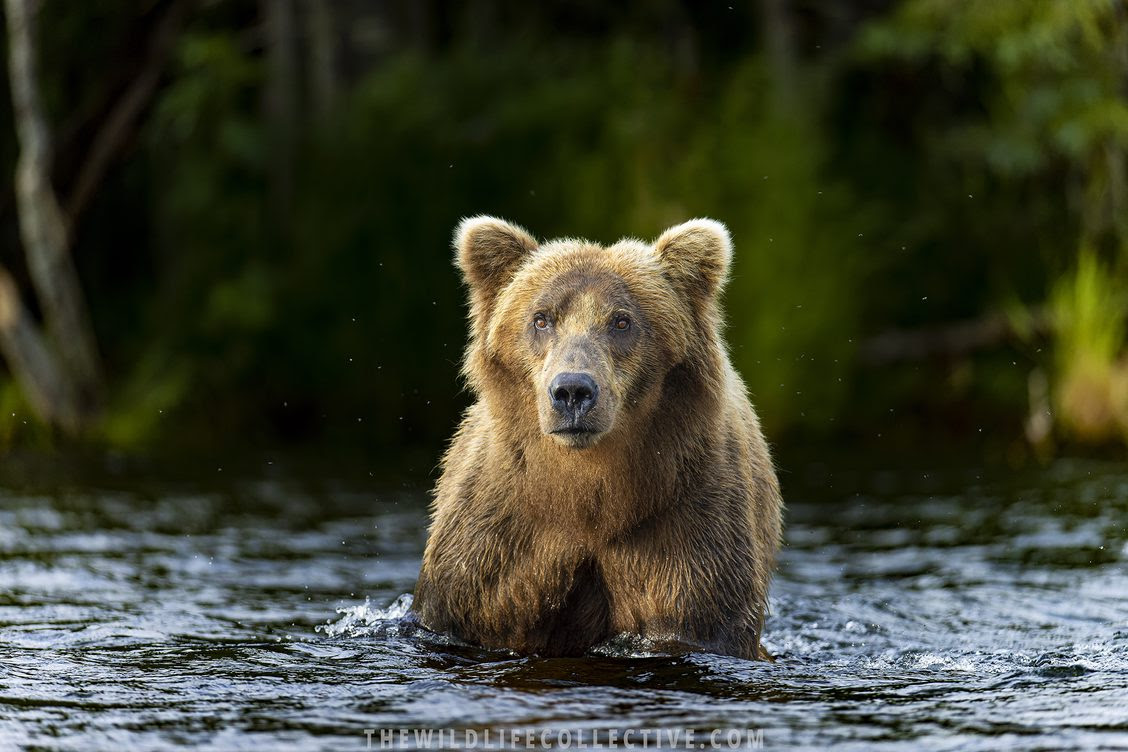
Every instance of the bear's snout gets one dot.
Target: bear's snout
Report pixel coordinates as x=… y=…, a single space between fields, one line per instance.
x=573 y=395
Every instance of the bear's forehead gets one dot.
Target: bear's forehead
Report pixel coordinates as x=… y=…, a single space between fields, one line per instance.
x=584 y=287
x=584 y=282
x=561 y=271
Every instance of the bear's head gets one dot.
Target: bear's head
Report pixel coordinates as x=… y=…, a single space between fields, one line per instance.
x=587 y=337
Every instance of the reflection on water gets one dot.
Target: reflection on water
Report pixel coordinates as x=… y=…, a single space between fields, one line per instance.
x=917 y=611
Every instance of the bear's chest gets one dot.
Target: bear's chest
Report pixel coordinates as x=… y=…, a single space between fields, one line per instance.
x=577 y=621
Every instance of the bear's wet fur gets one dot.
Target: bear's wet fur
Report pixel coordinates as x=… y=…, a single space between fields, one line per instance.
x=611 y=476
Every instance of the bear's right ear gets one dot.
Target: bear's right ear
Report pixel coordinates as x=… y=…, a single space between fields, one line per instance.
x=696 y=255
x=489 y=251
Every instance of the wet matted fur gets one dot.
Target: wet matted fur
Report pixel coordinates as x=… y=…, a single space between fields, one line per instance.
x=658 y=513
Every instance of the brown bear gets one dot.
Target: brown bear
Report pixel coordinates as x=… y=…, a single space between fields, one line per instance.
x=611 y=476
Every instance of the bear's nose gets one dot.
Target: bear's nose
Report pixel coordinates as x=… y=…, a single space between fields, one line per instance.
x=573 y=394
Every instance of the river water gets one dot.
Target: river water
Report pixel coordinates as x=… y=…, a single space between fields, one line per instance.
x=945 y=608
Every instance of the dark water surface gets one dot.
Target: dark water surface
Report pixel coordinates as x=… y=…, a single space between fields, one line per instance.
x=925 y=610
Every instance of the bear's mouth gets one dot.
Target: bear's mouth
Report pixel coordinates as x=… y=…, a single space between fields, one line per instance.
x=573 y=431
x=576 y=436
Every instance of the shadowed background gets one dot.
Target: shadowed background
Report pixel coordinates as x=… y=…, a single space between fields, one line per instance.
x=230 y=334
x=929 y=203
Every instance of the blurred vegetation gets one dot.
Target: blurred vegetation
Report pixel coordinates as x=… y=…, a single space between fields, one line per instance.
x=1089 y=308
x=267 y=261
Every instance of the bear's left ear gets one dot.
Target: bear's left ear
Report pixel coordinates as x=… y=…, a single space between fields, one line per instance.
x=696 y=256
x=489 y=251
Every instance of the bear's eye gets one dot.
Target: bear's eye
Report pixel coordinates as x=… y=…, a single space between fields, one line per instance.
x=540 y=322
x=622 y=323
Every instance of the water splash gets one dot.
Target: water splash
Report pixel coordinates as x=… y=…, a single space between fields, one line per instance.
x=628 y=645
x=366 y=621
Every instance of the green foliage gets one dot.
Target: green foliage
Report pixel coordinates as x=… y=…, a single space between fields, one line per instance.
x=145 y=407
x=949 y=163
x=1090 y=309
x=1056 y=74
x=800 y=248
x=1048 y=86
x=18 y=424
x=355 y=324
x=203 y=335
x=583 y=146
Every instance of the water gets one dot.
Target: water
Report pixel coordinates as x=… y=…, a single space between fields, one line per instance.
x=916 y=610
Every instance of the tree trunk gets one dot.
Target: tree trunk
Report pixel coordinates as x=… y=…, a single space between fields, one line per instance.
x=46 y=238
x=779 y=45
x=281 y=106
x=33 y=364
x=323 y=83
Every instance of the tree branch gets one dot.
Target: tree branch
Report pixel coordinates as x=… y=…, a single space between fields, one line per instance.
x=119 y=124
x=949 y=341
